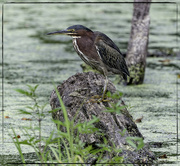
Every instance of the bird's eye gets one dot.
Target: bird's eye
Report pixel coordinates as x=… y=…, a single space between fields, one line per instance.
x=71 y=30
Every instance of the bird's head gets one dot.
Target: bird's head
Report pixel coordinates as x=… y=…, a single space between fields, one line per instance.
x=74 y=31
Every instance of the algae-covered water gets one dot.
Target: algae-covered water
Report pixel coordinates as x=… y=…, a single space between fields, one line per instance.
x=31 y=57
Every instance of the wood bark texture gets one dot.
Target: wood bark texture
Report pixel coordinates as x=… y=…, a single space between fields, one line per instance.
x=138 y=42
x=76 y=93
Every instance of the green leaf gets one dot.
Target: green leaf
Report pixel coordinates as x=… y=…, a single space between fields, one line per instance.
x=25 y=142
x=138 y=140
x=77 y=159
x=95 y=151
x=110 y=110
x=130 y=142
x=63 y=134
x=108 y=94
x=43 y=106
x=67 y=121
x=118 y=159
x=55 y=154
x=36 y=87
x=32 y=89
x=37 y=141
x=29 y=107
x=123 y=132
x=118 y=150
x=55 y=110
x=58 y=122
x=140 y=145
x=17 y=144
x=95 y=119
x=21 y=111
x=26 y=93
x=31 y=139
x=48 y=141
x=116 y=108
x=40 y=114
x=78 y=125
x=36 y=128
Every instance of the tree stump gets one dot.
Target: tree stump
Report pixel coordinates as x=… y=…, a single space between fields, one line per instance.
x=138 y=42
x=76 y=92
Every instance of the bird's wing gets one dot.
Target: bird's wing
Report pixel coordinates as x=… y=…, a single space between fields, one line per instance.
x=110 y=53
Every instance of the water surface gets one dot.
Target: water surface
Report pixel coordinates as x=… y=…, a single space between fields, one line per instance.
x=31 y=57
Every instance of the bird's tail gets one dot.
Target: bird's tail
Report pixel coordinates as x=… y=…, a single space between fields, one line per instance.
x=124 y=76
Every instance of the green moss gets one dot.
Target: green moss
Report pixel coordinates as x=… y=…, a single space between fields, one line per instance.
x=87 y=68
x=136 y=74
x=147 y=94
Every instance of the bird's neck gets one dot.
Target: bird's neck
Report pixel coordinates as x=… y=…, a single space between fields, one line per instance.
x=76 y=37
x=83 y=44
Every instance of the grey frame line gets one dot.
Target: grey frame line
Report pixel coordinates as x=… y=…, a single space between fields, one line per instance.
x=2 y=86
x=177 y=107
x=2 y=75
x=2 y=45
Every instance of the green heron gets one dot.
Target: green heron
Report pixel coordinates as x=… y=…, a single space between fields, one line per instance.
x=97 y=50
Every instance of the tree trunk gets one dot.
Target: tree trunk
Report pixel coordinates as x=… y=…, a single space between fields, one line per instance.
x=138 y=43
x=76 y=92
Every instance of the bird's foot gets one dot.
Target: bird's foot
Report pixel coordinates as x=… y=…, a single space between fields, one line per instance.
x=98 y=99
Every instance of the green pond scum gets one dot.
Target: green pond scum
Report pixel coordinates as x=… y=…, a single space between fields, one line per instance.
x=31 y=57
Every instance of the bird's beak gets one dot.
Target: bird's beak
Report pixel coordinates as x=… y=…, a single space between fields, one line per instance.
x=63 y=32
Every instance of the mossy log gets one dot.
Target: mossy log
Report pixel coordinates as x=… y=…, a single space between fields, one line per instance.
x=76 y=93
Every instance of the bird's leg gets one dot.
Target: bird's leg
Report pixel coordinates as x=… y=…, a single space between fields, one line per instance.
x=105 y=88
x=102 y=98
x=97 y=98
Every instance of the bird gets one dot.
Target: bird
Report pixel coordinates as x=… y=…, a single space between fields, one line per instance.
x=97 y=50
